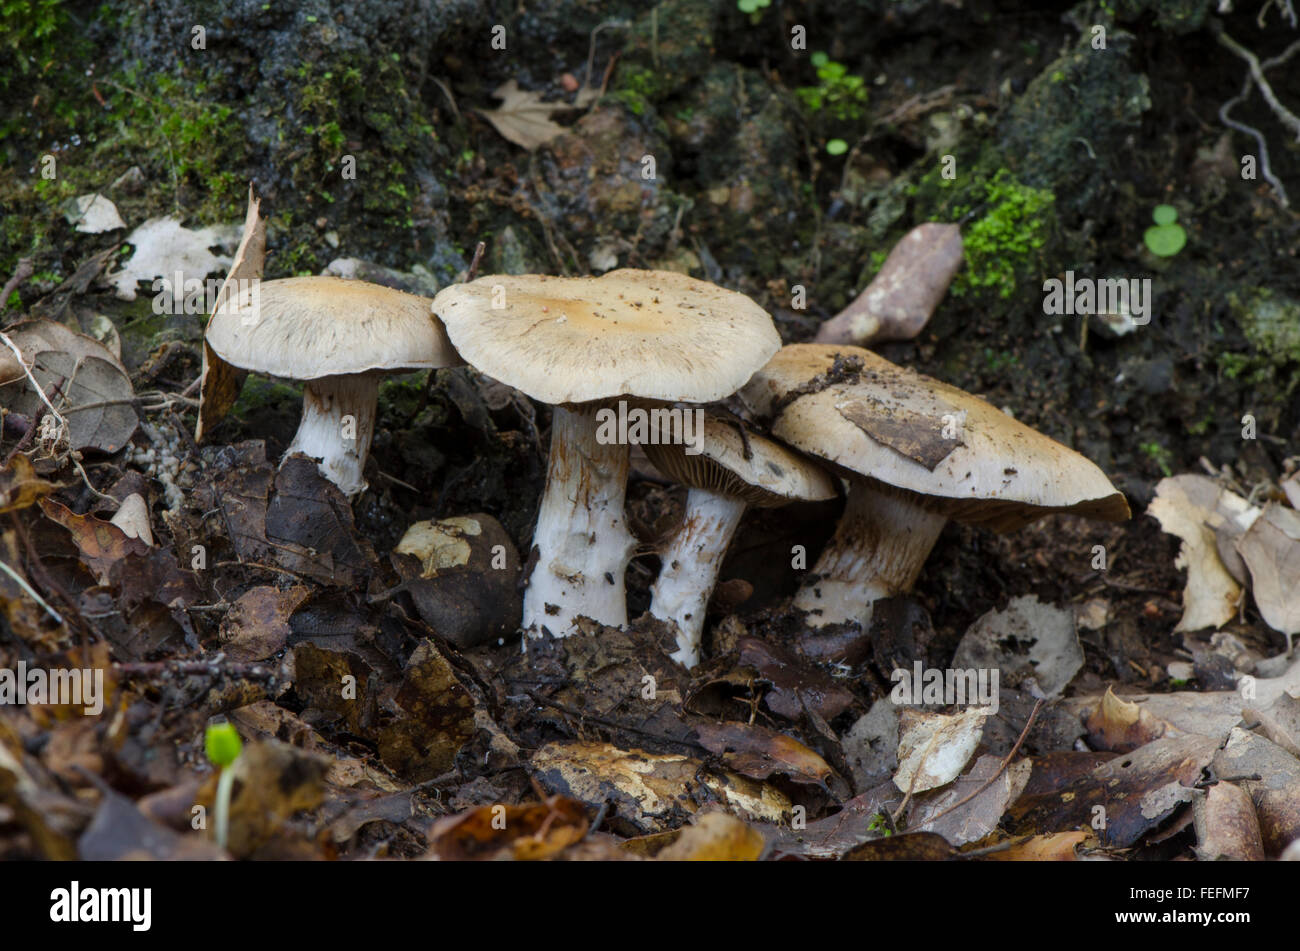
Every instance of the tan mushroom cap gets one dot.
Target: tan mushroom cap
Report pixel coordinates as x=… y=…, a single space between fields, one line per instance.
x=652 y=334
x=773 y=475
x=311 y=327
x=887 y=423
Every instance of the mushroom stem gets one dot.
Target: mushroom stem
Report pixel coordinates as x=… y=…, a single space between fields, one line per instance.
x=582 y=540
x=879 y=547
x=690 y=567
x=338 y=421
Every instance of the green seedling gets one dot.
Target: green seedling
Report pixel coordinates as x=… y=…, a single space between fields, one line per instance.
x=1166 y=238
x=836 y=147
x=752 y=6
x=222 y=743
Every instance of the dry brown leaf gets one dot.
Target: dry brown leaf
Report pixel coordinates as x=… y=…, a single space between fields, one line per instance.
x=528 y=832
x=1226 y=825
x=522 y=117
x=20 y=486
x=716 y=837
x=101 y=543
x=1184 y=505
x=1121 y=726
x=220 y=381
x=1271 y=550
x=975 y=818
x=1057 y=847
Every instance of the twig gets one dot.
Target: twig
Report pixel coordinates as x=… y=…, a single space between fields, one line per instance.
x=217 y=666
x=22 y=272
x=1001 y=768
x=22 y=583
x=473 y=264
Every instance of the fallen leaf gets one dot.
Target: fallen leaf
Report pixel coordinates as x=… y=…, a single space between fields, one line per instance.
x=977 y=817
x=20 y=486
x=101 y=543
x=221 y=382
x=1271 y=550
x=83 y=379
x=522 y=117
x=93 y=214
x=163 y=248
x=1028 y=642
x=257 y=625
x=759 y=752
x=1226 y=825
x=525 y=833
x=715 y=837
x=435 y=718
x=1275 y=794
x=934 y=747
x=1120 y=726
x=1184 y=505
x=908 y=847
x=1057 y=847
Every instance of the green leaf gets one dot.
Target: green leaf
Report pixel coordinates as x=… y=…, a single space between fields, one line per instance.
x=837 y=147
x=1165 y=240
x=1165 y=214
x=819 y=58
x=222 y=743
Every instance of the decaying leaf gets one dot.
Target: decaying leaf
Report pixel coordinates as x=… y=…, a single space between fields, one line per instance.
x=978 y=816
x=82 y=378
x=1121 y=726
x=1276 y=791
x=934 y=747
x=163 y=248
x=522 y=117
x=1226 y=825
x=528 y=832
x=20 y=486
x=220 y=381
x=101 y=543
x=1029 y=641
x=715 y=837
x=93 y=214
x=650 y=792
x=923 y=436
x=759 y=752
x=1057 y=847
x=257 y=625
x=435 y=718
x=1271 y=550
x=1184 y=506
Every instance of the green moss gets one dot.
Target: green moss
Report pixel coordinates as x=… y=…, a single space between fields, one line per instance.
x=29 y=32
x=1004 y=243
x=839 y=93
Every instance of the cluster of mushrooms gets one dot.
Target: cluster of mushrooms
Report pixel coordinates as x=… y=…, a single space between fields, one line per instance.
x=908 y=451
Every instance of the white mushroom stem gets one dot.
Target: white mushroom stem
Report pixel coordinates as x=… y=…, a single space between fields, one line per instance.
x=338 y=421
x=879 y=546
x=690 y=567
x=582 y=540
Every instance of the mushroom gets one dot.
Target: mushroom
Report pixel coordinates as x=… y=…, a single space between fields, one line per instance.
x=916 y=452
x=339 y=337
x=577 y=344
x=731 y=470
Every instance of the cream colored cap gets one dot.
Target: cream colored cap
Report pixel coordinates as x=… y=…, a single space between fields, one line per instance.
x=972 y=461
x=304 y=328
x=652 y=334
x=772 y=475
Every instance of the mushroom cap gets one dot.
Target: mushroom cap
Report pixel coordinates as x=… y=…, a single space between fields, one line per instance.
x=652 y=334
x=773 y=475
x=311 y=327
x=887 y=423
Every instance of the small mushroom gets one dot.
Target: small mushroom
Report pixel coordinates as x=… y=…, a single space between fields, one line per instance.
x=731 y=470
x=340 y=337
x=916 y=452
x=578 y=344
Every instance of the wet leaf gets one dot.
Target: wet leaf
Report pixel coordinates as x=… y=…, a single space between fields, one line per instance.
x=434 y=718
x=796 y=688
x=908 y=847
x=760 y=753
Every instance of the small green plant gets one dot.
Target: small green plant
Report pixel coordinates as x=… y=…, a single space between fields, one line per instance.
x=1166 y=237
x=1000 y=244
x=836 y=147
x=222 y=743
x=752 y=6
x=1159 y=455
x=880 y=823
x=839 y=94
